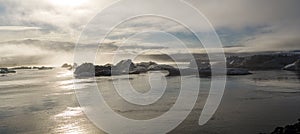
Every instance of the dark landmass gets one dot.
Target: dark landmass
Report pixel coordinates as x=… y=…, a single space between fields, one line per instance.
x=13 y=70
x=288 y=129
x=68 y=66
x=6 y=71
x=263 y=62
x=293 y=67
x=128 y=67
x=44 y=68
x=274 y=61
x=182 y=57
x=236 y=65
x=250 y=61
x=29 y=68
x=22 y=67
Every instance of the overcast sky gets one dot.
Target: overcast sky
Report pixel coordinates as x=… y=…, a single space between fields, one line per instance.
x=245 y=25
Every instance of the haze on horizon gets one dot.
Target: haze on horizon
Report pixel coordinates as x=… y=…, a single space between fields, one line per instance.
x=45 y=32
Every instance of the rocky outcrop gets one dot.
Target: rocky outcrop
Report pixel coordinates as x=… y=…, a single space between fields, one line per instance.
x=19 y=68
x=128 y=67
x=124 y=67
x=68 y=66
x=290 y=67
x=103 y=70
x=6 y=71
x=288 y=129
x=3 y=70
x=172 y=70
x=160 y=67
x=85 y=70
x=297 y=65
x=293 y=67
x=145 y=64
x=44 y=68
x=140 y=69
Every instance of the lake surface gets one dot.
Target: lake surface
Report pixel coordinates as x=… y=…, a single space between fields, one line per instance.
x=44 y=101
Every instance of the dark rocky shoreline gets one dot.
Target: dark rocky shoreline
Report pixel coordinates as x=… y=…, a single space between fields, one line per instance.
x=236 y=65
x=14 y=69
x=288 y=129
x=128 y=67
x=6 y=71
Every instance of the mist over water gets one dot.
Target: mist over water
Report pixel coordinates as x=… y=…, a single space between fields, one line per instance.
x=52 y=53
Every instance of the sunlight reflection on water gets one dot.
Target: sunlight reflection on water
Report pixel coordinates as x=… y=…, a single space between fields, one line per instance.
x=67 y=124
x=64 y=74
x=70 y=112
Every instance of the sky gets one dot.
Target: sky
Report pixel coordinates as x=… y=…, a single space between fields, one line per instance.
x=242 y=25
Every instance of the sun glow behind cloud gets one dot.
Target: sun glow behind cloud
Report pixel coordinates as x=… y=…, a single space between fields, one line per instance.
x=68 y=3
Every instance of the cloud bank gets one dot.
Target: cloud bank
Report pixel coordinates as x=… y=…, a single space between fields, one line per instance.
x=243 y=26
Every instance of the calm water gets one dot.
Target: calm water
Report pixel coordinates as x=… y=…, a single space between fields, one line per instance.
x=43 y=101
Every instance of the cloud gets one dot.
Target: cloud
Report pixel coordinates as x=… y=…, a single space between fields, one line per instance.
x=243 y=26
x=238 y=14
x=18 y=28
x=257 y=25
x=51 y=19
